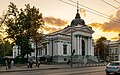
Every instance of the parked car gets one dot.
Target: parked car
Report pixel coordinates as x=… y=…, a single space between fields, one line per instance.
x=113 y=67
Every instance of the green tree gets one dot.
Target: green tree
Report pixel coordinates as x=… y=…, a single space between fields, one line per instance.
x=23 y=25
x=5 y=49
x=102 y=49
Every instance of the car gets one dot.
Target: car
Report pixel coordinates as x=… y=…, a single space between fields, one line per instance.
x=113 y=67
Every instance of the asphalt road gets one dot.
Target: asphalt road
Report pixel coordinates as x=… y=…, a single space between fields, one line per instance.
x=67 y=71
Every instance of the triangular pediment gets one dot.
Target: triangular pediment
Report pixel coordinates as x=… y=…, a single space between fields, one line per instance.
x=85 y=29
x=67 y=30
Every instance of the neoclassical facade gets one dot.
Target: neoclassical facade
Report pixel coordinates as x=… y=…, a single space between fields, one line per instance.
x=76 y=37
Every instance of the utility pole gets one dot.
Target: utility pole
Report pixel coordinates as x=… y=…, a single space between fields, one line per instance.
x=71 y=48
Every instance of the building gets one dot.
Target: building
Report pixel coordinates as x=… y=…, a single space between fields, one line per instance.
x=75 y=39
x=114 y=50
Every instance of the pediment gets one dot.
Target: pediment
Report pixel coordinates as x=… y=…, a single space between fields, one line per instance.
x=85 y=29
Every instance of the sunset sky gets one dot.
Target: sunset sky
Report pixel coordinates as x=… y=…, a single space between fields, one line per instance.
x=58 y=15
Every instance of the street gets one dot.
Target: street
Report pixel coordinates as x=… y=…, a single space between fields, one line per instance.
x=66 y=71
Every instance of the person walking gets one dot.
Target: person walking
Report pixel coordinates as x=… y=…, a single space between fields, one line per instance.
x=9 y=64
x=38 y=63
x=6 y=64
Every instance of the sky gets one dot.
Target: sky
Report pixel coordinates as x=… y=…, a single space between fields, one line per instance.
x=58 y=14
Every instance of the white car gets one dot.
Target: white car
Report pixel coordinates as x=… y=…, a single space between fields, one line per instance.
x=113 y=67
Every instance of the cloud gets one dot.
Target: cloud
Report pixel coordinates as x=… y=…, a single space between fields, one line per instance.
x=112 y=26
x=83 y=12
x=55 y=21
x=115 y=38
x=49 y=29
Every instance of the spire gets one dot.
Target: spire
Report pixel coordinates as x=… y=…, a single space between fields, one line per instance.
x=77 y=15
x=77 y=7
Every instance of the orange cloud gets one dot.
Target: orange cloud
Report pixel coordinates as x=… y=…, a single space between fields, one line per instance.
x=112 y=26
x=83 y=12
x=115 y=38
x=50 y=29
x=55 y=21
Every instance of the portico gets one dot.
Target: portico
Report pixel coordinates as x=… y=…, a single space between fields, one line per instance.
x=81 y=39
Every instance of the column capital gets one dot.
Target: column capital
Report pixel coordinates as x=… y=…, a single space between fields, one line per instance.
x=89 y=37
x=77 y=35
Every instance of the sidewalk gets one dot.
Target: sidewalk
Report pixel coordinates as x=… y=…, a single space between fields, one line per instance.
x=46 y=67
x=24 y=68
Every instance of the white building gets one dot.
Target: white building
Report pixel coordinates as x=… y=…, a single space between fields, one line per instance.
x=58 y=44
x=114 y=50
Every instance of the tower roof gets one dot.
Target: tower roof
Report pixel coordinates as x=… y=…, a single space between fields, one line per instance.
x=77 y=19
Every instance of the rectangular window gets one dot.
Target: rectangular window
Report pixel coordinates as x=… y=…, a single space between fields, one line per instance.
x=116 y=51
x=46 y=50
x=110 y=51
x=64 y=49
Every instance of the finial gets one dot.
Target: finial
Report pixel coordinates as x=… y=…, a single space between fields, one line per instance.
x=77 y=15
x=77 y=7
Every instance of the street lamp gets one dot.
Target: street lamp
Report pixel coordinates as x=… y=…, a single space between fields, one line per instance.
x=71 y=48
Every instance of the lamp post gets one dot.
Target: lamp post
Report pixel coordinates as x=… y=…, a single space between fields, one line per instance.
x=71 y=48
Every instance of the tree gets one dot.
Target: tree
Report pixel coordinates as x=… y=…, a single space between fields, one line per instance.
x=102 y=49
x=5 y=49
x=23 y=25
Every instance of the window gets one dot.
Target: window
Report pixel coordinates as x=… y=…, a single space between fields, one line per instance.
x=65 y=59
x=46 y=50
x=116 y=51
x=110 y=51
x=64 y=49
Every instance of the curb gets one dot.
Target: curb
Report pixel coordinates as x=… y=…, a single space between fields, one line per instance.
x=32 y=69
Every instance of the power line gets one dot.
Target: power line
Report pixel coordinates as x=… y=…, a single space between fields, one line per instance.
x=89 y=8
x=110 y=4
x=117 y=1
x=98 y=17
x=100 y=14
x=86 y=10
x=108 y=17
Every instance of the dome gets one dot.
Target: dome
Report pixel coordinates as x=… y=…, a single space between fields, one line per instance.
x=77 y=20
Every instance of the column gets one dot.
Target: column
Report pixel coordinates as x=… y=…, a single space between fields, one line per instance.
x=76 y=51
x=47 y=48
x=88 y=45
x=59 y=50
x=80 y=45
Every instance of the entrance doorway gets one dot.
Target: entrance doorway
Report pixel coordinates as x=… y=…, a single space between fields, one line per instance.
x=83 y=47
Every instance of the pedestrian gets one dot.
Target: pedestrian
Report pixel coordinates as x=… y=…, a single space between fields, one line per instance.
x=9 y=64
x=6 y=64
x=38 y=63
x=30 y=63
x=12 y=63
x=68 y=61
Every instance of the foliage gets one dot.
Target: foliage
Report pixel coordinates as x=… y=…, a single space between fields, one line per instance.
x=23 y=25
x=102 y=49
x=5 y=49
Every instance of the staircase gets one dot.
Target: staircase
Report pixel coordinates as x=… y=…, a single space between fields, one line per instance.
x=91 y=59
